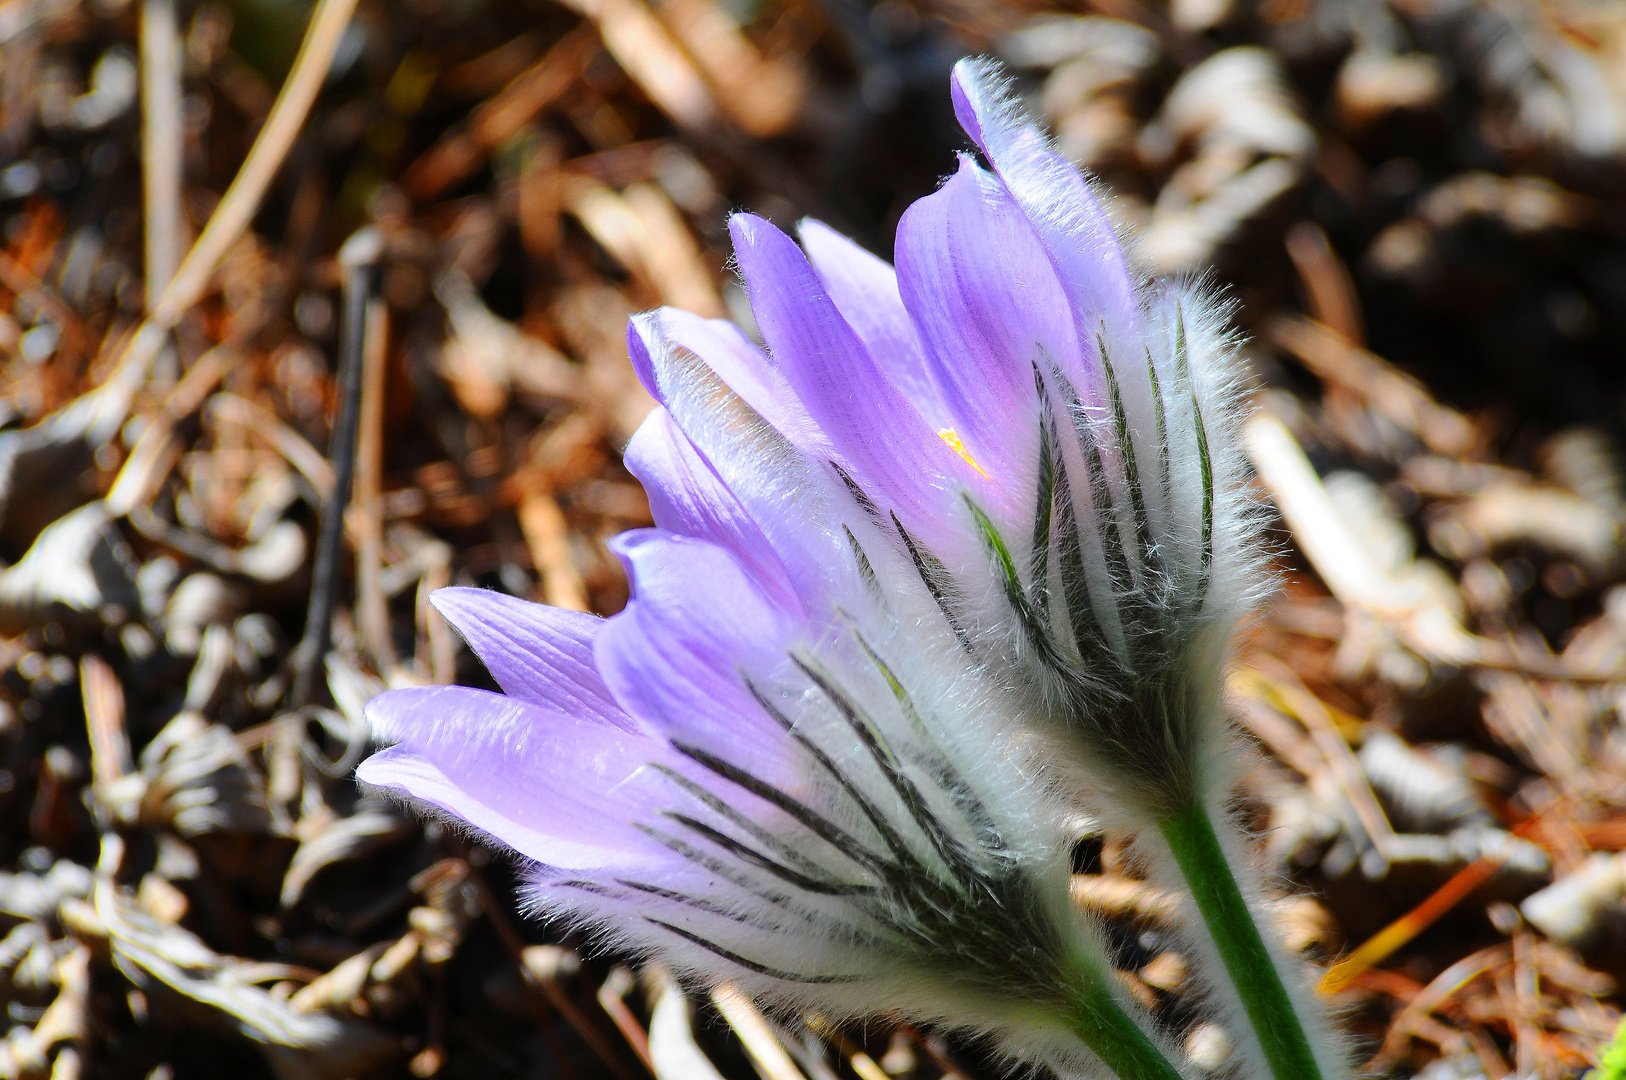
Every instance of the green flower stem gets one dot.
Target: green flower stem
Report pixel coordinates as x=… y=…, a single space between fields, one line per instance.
x=1095 y=1016
x=1196 y=847
x=1612 y=1066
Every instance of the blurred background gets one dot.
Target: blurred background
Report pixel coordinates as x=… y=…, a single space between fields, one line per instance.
x=1418 y=208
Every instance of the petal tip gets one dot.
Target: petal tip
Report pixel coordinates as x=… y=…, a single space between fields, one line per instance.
x=627 y=547
x=643 y=331
x=962 y=87
x=757 y=236
x=747 y=228
x=452 y=599
x=980 y=91
x=375 y=771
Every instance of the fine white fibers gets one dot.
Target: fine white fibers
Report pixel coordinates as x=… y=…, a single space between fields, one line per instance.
x=982 y=938
x=1111 y=587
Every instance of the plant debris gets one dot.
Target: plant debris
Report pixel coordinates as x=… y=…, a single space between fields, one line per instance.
x=1415 y=204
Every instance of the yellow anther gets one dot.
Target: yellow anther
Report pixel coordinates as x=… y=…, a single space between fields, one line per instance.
x=949 y=436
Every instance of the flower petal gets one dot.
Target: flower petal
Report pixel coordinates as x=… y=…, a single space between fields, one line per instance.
x=687 y=497
x=518 y=764
x=655 y=336
x=1053 y=194
x=678 y=656
x=399 y=769
x=986 y=300
x=865 y=291
x=537 y=653
x=877 y=433
x=764 y=449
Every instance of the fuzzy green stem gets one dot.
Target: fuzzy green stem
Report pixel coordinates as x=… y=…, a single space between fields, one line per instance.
x=1196 y=848
x=1095 y=1016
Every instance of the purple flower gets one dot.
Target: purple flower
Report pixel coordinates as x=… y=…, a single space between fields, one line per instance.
x=963 y=533
x=1021 y=445
x=822 y=810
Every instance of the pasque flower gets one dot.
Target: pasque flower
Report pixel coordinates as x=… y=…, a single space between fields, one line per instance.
x=955 y=558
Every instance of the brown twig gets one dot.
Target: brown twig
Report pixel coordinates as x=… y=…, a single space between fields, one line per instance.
x=1312 y=712
x=548 y=537
x=1382 y=944
x=110 y=756
x=242 y=198
x=1332 y=356
x=360 y=259
x=497 y=915
x=466 y=148
x=372 y=609
x=612 y=996
x=161 y=145
x=764 y=1047
x=1326 y=279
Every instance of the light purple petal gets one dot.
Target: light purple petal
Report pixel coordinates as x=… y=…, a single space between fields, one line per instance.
x=1075 y=231
x=516 y=765
x=399 y=769
x=679 y=655
x=765 y=450
x=878 y=434
x=538 y=653
x=865 y=290
x=985 y=298
x=687 y=497
x=657 y=340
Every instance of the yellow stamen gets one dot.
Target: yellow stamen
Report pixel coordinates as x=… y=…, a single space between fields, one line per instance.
x=949 y=436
